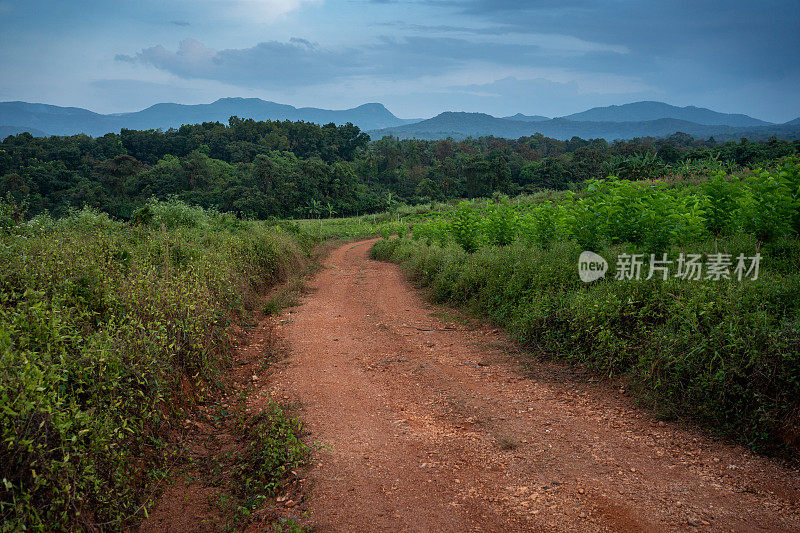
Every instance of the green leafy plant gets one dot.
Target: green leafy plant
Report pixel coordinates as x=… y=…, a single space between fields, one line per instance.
x=464 y=228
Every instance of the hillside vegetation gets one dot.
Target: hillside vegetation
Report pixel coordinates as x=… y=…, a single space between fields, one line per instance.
x=721 y=348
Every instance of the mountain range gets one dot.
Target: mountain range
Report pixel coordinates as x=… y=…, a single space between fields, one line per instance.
x=462 y=125
x=638 y=119
x=646 y=111
x=54 y=120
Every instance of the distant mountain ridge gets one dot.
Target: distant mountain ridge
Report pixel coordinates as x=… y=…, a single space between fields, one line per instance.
x=462 y=125
x=527 y=118
x=366 y=116
x=54 y=120
x=644 y=111
x=638 y=119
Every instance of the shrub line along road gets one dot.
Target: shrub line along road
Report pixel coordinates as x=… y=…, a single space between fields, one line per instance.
x=432 y=425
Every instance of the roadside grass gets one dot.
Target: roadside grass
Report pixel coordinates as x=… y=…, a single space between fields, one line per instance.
x=268 y=449
x=110 y=335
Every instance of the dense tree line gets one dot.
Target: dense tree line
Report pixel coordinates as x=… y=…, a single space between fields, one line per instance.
x=287 y=169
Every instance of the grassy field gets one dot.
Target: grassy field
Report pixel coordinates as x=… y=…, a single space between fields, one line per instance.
x=724 y=352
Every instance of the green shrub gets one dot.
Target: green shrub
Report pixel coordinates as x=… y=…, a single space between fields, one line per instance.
x=273 y=449
x=652 y=215
x=464 y=228
x=499 y=224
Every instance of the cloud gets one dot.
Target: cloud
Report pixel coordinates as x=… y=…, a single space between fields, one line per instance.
x=300 y=62
x=269 y=64
x=742 y=38
x=505 y=34
x=563 y=93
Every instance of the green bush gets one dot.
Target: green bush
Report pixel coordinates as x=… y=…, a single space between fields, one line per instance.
x=464 y=228
x=499 y=224
x=273 y=449
x=391 y=229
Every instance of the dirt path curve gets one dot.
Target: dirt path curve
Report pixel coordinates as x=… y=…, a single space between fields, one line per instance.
x=429 y=425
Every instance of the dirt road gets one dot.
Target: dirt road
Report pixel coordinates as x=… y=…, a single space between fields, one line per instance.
x=430 y=424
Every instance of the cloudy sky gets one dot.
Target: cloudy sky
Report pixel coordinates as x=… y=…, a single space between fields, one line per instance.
x=547 y=57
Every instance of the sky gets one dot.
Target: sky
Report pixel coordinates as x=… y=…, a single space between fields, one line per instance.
x=419 y=58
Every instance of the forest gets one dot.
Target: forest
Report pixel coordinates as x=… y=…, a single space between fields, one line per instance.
x=297 y=169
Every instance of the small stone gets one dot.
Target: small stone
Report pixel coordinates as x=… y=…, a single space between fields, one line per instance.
x=678 y=504
x=661 y=423
x=580 y=491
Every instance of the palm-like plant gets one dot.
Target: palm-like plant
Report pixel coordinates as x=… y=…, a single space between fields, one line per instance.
x=330 y=209
x=314 y=209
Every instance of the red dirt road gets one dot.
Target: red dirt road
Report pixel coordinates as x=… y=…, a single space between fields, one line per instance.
x=432 y=425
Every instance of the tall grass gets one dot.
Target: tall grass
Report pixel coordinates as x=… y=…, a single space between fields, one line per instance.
x=109 y=332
